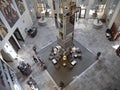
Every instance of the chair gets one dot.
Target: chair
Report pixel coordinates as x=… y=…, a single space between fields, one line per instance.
x=32 y=32
x=54 y=61
x=73 y=63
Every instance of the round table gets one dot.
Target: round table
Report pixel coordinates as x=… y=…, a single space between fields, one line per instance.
x=97 y=24
x=42 y=21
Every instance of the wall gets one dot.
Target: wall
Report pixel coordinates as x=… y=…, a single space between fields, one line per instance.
x=22 y=23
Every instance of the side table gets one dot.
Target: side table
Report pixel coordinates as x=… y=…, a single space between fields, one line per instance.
x=42 y=21
x=97 y=24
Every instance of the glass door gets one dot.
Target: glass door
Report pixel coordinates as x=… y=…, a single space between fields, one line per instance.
x=83 y=12
x=19 y=37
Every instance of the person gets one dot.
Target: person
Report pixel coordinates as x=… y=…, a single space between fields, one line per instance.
x=109 y=34
x=42 y=64
x=61 y=84
x=31 y=82
x=34 y=49
x=98 y=55
x=35 y=59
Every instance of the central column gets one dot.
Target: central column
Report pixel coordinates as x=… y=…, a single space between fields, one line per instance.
x=64 y=15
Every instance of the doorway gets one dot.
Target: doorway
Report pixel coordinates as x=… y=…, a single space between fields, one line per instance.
x=83 y=13
x=19 y=37
x=14 y=44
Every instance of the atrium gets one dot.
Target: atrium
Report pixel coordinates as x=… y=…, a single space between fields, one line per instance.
x=59 y=44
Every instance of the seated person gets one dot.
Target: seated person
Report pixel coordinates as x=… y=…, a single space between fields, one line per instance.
x=109 y=34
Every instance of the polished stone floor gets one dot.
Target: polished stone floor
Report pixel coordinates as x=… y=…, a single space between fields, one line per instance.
x=103 y=74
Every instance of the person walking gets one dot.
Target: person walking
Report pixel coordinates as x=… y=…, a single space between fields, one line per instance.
x=34 y=49
x=35 y=59
x=98 y=55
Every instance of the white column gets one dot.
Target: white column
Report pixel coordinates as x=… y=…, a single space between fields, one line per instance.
x=90 y=3
x=16 y=41
x=107 y=7
x=114 y=15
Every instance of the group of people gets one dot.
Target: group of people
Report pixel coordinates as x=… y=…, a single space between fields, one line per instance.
x=24 y=68
x=34 y=86
x=38 y=60
x=31 y=82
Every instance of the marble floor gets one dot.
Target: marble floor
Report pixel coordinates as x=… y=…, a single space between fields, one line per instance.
x=104 y=74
